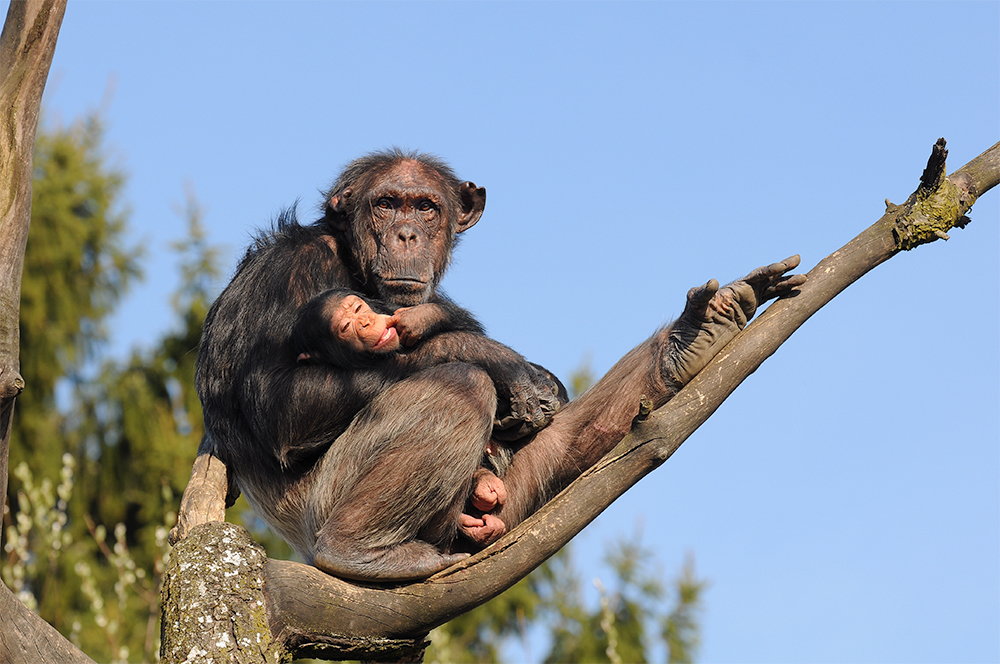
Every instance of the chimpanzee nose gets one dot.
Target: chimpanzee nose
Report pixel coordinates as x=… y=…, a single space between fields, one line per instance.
x=407 y=236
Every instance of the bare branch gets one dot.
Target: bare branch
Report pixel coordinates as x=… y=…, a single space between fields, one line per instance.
x=204 y=499
x=26 y=48
x=27 y=44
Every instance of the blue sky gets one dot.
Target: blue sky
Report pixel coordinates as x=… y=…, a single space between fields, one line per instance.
x=845 y=502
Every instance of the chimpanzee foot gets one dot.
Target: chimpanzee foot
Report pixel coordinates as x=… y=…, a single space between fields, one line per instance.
x=488 y=491
x=410 y=561
x=713 y=316
x=482 y=530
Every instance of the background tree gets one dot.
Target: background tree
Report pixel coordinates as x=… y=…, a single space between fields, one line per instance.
x=101 y=447
x=76 y=269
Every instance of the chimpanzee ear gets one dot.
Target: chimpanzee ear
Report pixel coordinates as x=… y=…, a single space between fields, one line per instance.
x=473 y=203
x=338 y=209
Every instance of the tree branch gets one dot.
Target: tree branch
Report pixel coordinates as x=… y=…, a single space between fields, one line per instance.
x=27 y=44
x=204 y=499
x=309 y=609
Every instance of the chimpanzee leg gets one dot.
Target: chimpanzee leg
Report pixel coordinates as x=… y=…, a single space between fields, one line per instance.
x=389 y=492
x=582 y=432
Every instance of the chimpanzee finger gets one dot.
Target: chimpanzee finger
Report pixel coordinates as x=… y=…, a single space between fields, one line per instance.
x=785 y=286
x=768 y=281
x=533 y=409
x=772 y=271
x=791 y=262
x=482 y=531
x=469 y=521
x=699 y=297
x=524 y=403
x=791 y=281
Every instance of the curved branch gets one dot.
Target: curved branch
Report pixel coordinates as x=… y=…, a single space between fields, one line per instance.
x=307 y=606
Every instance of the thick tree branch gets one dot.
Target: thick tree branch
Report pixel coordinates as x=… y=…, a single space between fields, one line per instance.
x=310 y=609
x=27 y=44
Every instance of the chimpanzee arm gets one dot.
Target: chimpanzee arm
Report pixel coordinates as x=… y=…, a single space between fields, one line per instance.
x=298 y=410
x=415 y=324
x=527 y=397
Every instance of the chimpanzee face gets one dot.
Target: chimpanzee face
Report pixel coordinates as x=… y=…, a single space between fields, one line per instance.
x=408 y=227
x=362 y=330
x=401 y=225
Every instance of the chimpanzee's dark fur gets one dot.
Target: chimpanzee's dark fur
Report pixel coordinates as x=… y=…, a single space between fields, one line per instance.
x=366 y=472
x=272 y=420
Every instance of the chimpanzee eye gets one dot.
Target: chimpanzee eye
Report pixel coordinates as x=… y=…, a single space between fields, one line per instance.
x=426 y=206
x=384 y=203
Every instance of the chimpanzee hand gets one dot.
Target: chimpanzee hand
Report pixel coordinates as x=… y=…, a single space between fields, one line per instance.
x=763 y=284
x=527 y=398
x=414 y=323
x=713 y=316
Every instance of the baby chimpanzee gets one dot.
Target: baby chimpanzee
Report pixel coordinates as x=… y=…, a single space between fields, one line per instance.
x=360 y=331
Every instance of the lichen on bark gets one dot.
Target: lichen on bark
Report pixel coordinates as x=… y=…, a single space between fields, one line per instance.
x=213 y=601
x=937 y=206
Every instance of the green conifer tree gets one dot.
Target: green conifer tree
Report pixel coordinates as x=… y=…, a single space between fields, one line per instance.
x=76 y=269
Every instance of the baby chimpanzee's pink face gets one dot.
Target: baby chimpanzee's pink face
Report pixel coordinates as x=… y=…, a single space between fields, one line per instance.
x=355 y=324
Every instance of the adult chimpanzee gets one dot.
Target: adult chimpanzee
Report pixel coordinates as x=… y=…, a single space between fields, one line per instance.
x=383 y=497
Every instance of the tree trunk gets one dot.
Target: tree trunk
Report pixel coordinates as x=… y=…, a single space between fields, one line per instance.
x=26 y=48
x=316 y=614
x=213 y=600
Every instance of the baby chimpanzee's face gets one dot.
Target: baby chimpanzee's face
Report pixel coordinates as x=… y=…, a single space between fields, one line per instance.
x=355 y=324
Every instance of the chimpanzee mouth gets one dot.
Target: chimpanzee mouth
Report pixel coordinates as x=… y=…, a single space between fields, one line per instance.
x=405 y=284
x=405 y=292
x=386 y=337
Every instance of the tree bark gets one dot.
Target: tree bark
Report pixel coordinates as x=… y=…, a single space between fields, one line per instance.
x=27 y=44
x=213 y=600
x=311 y=612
